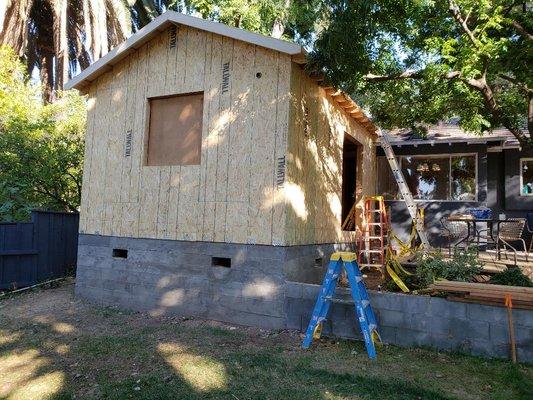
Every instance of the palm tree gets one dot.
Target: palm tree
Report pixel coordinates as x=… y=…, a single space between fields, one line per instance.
x=59 y=37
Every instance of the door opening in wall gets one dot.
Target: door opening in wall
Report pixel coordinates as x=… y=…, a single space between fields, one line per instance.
x=350 y=149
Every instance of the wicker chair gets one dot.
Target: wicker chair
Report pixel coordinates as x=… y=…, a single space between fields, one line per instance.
x=453 y=231
x=511 y=231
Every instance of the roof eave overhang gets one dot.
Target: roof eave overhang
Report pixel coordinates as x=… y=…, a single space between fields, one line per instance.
x=481 y=140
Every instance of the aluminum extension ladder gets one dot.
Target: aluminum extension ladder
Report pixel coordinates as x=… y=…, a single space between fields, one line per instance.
x=364 y=313
x=372 y=245
x=404 y=189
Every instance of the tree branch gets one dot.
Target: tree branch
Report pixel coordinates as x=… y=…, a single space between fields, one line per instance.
x=404 y=75
x=520 y=29
x=475 y=83
x=478 y=84
x=76 y=181
x=516 y=82
x=456 y=14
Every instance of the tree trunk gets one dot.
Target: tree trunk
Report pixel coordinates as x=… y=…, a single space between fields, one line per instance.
x=47 y=76
x=14 y=16
x=61 y=43
x=279 y=24
x=493 y=107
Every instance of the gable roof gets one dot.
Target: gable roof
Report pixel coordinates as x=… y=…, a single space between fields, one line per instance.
x=169 y=18
x=164 y=21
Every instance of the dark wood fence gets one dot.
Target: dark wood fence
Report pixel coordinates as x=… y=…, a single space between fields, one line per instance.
x=35 y=251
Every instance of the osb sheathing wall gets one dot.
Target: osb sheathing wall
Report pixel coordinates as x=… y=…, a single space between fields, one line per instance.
x=259 y=180
x=233 y=195
x=317 y=125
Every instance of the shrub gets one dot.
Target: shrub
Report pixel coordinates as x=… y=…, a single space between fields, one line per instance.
x=41 y=145
x=462 y=266
x=511 y=277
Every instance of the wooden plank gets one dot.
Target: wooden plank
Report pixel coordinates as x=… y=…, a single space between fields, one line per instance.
x=223 y=142
x=88 y=158
x=97 y=180
x=157 y=177
x=189 y=207
x=242 y=96
x=206 y=136
x=150 y=176
x=177 y=86
x=215 y=124
x=481 y=287
x=139 y=123
x=283 y=104
x=129 y=126
x=115 y=153
x=126 y=219
x=293 y=161
x=261 y=161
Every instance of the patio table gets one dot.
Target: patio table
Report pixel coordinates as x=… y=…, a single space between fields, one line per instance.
x=472 y=227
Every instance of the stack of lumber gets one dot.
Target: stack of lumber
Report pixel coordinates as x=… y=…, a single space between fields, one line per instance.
x=522 y=297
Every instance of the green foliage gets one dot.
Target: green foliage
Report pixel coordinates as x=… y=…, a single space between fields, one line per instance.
x=462 y=266
x=511 y=277
x=412 y=61
x=41 y=146
x=298 y=17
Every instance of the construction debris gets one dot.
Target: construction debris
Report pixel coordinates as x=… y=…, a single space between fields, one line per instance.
x=522 y=297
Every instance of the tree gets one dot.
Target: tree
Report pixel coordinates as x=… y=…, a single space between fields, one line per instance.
x=293 y=19
x=61 y=36
x=423 y=61
x=41 y=145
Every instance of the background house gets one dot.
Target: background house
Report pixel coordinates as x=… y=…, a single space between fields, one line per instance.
x=215 y=171
x=450 y=170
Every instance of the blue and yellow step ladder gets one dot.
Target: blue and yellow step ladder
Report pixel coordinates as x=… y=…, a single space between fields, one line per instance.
x=364 y=313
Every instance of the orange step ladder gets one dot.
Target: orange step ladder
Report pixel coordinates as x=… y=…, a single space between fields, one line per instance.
x=373 y=243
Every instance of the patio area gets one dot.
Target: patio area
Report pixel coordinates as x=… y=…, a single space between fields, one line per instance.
x=501 y=242
x=493 y=265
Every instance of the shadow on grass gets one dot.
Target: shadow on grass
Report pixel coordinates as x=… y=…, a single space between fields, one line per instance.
x=55 y=360
x=55 y=357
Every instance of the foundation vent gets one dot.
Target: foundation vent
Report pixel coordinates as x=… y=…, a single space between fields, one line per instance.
x=120 y=253
x=223 y=262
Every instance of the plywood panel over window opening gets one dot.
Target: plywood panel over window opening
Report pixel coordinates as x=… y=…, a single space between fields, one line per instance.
x=175 y=130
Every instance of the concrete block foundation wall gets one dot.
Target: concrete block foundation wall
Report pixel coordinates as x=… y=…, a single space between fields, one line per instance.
x=275 y=288
x=421 y=321
x=182 y=278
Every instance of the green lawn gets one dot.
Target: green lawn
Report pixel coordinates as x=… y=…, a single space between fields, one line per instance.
x=53 y=346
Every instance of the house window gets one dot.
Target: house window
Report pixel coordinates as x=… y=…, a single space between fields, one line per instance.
x=526 y=176
x=175 y=130
x=432 y=178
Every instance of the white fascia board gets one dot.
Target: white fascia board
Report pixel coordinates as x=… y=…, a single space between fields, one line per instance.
x=480 y=140
x=158 y=25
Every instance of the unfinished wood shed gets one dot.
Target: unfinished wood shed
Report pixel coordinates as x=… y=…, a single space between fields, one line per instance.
x=213 y=140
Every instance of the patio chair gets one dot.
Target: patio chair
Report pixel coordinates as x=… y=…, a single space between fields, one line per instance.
x=453 y=231
x=511 y=231
x=529 y=227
